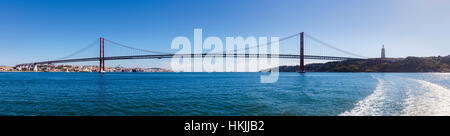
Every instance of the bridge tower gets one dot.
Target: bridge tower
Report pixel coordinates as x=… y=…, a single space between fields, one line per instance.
x=302 y=55
x=101 y=67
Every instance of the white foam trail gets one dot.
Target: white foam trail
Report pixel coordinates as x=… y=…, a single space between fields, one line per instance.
x=427 y=99
x=403 y=96
x=371 y=105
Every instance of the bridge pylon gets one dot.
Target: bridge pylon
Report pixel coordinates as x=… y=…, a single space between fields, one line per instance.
x=302 y=55
x=101 y=67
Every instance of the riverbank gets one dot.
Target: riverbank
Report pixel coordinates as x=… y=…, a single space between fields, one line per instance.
x=409 y=64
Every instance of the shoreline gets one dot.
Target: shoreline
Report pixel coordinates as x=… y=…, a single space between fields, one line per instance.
x=210 y=72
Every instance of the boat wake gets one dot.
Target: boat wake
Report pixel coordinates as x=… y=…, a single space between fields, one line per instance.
x=400 y=96
x=427 y=99
x=372 y=104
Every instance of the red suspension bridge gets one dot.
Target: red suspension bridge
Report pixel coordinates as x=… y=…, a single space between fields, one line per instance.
x=162 y=55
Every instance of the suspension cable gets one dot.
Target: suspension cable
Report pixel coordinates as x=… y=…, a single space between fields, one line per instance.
x=133 y=48
x=80 y=51
x=265 y=44
x=333 y=47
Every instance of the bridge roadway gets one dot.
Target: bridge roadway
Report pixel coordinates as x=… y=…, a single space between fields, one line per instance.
x=163 y=56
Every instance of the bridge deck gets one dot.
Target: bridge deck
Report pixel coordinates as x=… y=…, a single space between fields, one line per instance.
x=164 y=56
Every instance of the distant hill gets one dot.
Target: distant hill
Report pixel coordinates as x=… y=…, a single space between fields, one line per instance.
x=409 y=64
x=6 y=68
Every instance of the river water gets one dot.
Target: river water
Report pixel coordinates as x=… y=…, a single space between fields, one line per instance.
x=229 y=94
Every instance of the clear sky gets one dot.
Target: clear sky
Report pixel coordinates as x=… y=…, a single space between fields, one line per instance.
x=33 y=30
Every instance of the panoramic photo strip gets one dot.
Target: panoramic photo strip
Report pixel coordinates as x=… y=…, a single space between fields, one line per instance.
x=214 y=67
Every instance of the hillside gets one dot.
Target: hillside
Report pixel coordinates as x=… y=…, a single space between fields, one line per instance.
x=409 y=64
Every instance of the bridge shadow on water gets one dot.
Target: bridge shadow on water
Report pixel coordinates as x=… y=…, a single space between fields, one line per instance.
x=101 y=102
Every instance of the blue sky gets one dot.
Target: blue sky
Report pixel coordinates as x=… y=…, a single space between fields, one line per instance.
x=42 y=30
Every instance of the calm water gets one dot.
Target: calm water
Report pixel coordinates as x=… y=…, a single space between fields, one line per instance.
x=224 y=94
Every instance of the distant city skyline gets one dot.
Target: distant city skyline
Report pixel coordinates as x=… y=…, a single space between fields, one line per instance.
x=50 y=29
